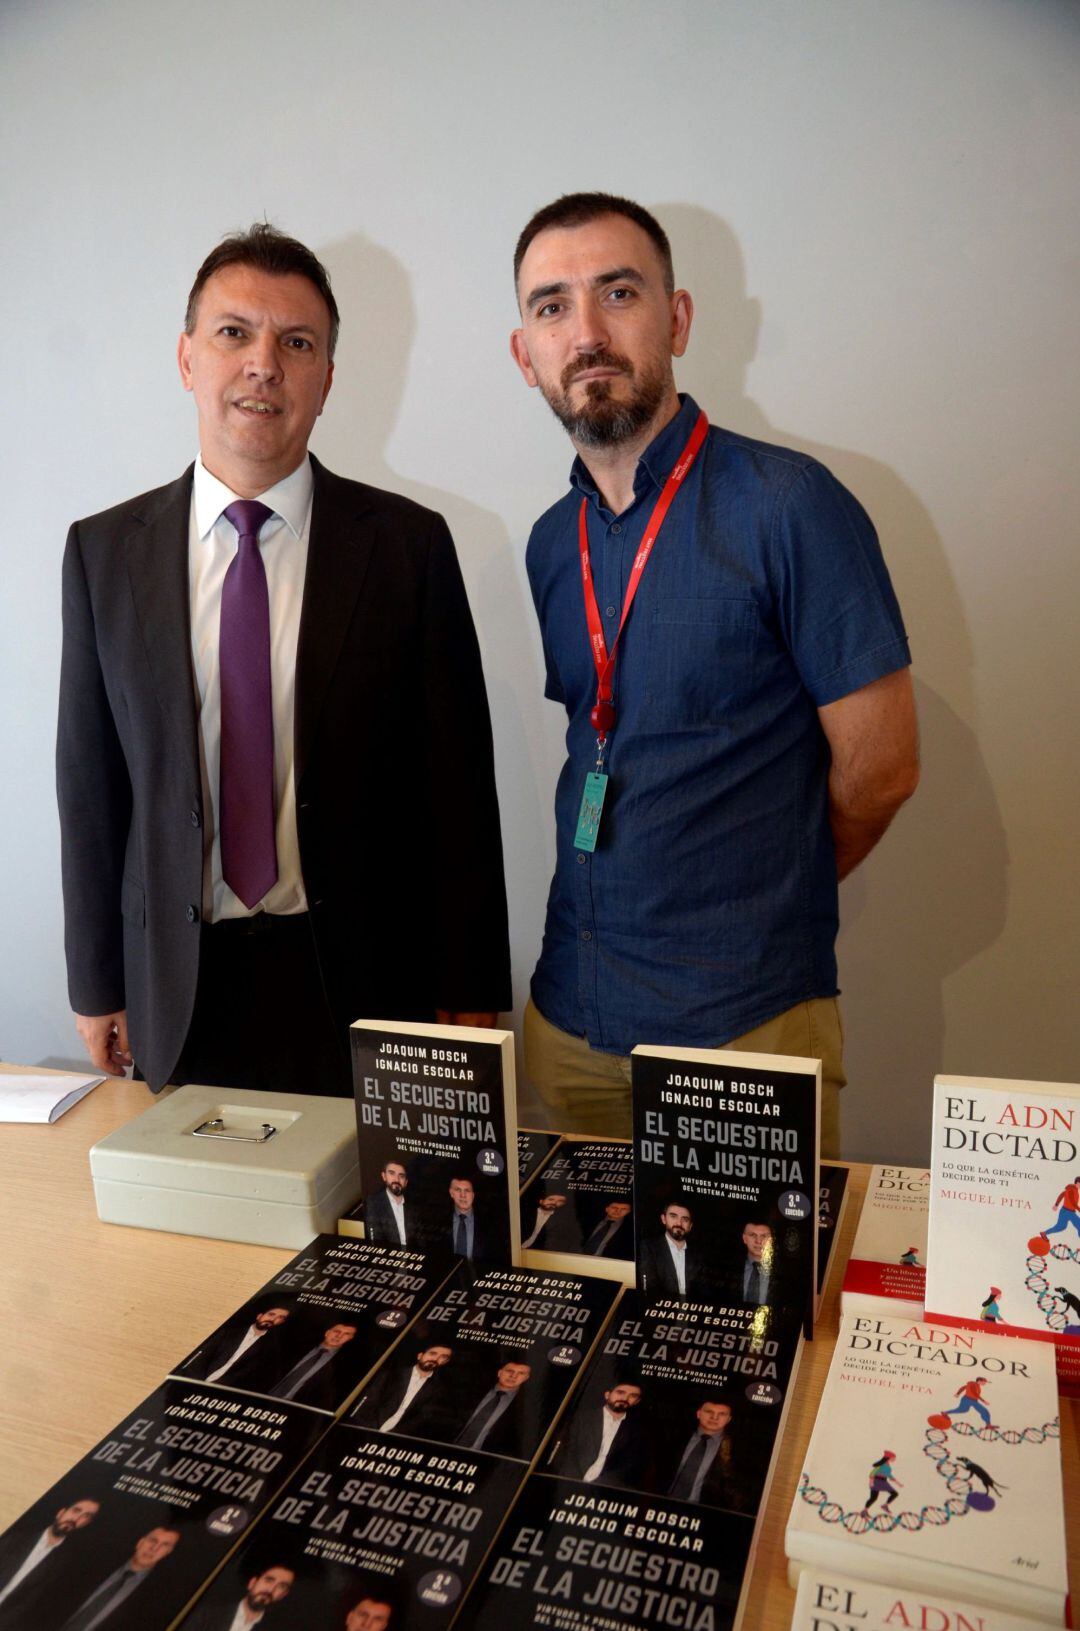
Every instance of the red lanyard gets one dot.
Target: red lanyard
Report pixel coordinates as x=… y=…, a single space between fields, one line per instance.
x=603 y=714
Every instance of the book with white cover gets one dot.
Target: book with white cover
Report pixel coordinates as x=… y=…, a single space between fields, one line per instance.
x=935 y=1463
x=837 y=1602
x=886 y=1272
x=1004 y=1246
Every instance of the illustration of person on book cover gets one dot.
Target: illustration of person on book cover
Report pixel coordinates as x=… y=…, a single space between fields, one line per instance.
x=910 y=1258
x=990 y=1311
x=971 y=1398
x=882 y=1481
x=1068 y=1205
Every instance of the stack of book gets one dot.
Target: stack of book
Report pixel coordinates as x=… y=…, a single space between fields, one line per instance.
x=646 y=1509
x=392 y=1516
x=934 y=1466
x=577 y=1211
x=134 y=1531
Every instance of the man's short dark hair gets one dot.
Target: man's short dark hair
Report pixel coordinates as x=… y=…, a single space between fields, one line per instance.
x=578 y=209
x=267 y=250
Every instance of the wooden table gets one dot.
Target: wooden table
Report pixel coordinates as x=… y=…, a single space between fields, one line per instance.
x=94 y=1315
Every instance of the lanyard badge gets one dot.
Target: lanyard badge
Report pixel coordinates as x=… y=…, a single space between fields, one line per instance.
x=603 y=714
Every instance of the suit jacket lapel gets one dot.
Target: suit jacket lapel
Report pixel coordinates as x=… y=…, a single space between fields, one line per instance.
x=339 y=553
x=156 y=550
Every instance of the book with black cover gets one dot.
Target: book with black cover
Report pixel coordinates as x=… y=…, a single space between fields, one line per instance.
x=436 y=1121
x=832 y=1204
x=490 y=1363
x=575 y=1558
x=644 y=1510
x=726 y=1176
x=321 y=1324
x=375 y=1532
x=534 y=1147
x=141 y=1522
x=578 y=1214
x=401 y=1501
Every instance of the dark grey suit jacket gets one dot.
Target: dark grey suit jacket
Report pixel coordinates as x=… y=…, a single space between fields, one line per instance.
x=395 y=794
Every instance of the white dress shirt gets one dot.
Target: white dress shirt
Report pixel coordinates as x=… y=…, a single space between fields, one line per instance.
x=46 y=1542
x=244 y=1619
x=677 y=1248
x=283 y=545
x=397 y=1212
x=248 y=1340
x=416 y=1382
x=611 y=1426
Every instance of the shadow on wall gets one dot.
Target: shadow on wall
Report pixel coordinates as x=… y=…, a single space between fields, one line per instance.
x=934 y=895
x=373 y=360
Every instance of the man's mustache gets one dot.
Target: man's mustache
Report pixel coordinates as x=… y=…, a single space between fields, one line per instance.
x=594 y=359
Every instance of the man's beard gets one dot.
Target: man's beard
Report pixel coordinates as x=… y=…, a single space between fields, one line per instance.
x=258 y=1600
x=603 y=420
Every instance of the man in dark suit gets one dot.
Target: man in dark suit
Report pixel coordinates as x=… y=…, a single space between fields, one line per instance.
x=262 y=1593
x=386 y=1213
x=316 y=1378
x=465 y=1235
x=497 y=1421
x=117 y=1599
x=31 y=1563
x=668 y=1265
x=700 y=1466
x=249 y=655
x=604 y=1442
x=613 y=1234
x=410 y=1399
x=244 y=1353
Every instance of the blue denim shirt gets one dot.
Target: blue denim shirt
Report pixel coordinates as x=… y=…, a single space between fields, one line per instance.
x=710 y=903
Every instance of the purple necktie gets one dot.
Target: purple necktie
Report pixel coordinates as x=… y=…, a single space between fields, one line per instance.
x=248 y=850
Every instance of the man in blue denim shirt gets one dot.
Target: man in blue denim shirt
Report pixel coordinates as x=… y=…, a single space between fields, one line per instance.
x=764 y=730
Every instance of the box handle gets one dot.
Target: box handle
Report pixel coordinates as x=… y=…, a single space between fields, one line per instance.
x=215 y=1128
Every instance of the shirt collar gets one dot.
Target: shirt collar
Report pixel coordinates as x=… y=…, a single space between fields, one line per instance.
x=290 y=498
x=658 y=460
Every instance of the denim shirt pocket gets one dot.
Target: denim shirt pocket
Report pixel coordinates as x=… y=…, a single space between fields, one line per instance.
x=699 y=662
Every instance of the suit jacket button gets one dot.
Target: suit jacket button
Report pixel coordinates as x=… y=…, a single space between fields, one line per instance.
x=193 y=914
x=194 y=818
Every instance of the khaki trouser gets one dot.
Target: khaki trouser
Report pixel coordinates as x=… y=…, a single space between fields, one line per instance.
x=587 y=1091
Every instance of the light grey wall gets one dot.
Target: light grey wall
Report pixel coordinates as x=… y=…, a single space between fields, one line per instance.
x=873 y=202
